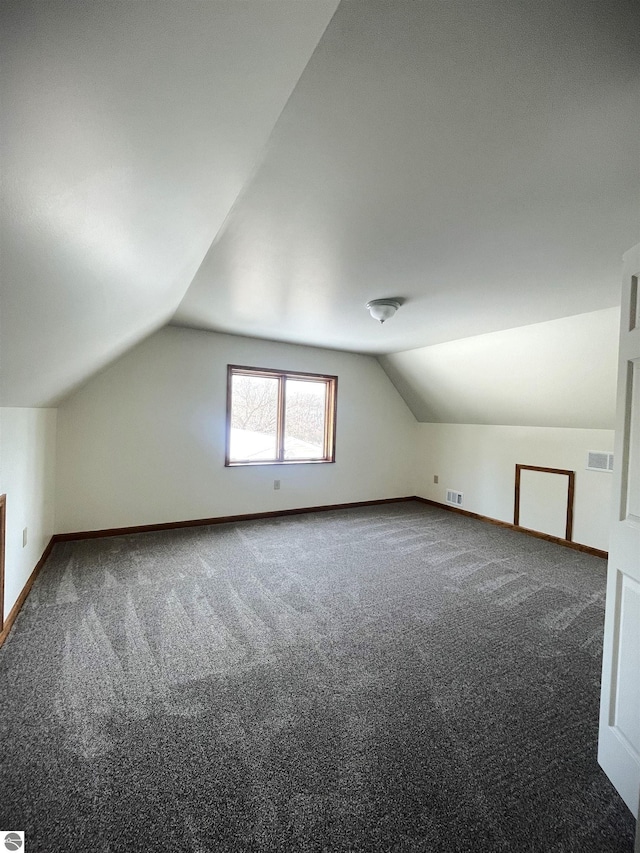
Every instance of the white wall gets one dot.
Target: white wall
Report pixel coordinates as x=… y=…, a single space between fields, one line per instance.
x=561 y=373
x=480 y=461
x=27 y=474
x=143 y=442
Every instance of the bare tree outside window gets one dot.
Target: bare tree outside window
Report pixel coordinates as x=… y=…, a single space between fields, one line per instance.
x=255 y=403
x=304 y=418
x=279 y=417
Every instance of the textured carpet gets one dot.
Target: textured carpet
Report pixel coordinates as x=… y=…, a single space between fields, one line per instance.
x=393 y=678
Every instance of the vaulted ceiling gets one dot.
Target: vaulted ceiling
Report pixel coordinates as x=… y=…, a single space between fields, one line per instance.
x=266 y=167
x=130 y=128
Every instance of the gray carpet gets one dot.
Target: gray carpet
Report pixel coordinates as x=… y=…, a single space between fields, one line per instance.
x=393 y=678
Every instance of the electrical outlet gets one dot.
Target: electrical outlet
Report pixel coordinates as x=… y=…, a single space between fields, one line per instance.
x=276 y=484
x=24 y=538
x=435 y=478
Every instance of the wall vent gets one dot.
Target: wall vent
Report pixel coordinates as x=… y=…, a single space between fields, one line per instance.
x=454 y=498
x=599 y=460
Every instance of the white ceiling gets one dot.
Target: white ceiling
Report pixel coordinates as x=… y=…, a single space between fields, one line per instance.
x=129 y=128
x=560 y=373
x=479 y=159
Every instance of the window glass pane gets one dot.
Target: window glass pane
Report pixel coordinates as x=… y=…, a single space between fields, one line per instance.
x=304 y=419
x=254 y=418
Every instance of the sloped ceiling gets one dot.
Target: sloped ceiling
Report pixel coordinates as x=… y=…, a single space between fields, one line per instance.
x=129 y=128
x=479 y=159
x=561 y=373
x=263 y=168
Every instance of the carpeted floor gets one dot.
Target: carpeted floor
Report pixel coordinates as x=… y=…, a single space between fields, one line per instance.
x=392 y=678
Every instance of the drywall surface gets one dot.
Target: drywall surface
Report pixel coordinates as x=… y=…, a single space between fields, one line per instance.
x=129 y=130
x=143 y=442
x=561 y=373
x=544 y=499
x=480 y=462
x=27 y=477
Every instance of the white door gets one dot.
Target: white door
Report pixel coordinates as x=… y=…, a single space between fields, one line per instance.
x=619 y=741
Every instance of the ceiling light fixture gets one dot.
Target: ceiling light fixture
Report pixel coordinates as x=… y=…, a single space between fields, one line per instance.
x=383 y=309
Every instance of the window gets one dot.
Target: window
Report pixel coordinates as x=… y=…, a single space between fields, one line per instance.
x=276 y=416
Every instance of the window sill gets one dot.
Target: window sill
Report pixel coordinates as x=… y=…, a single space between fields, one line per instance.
x=276 y=462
